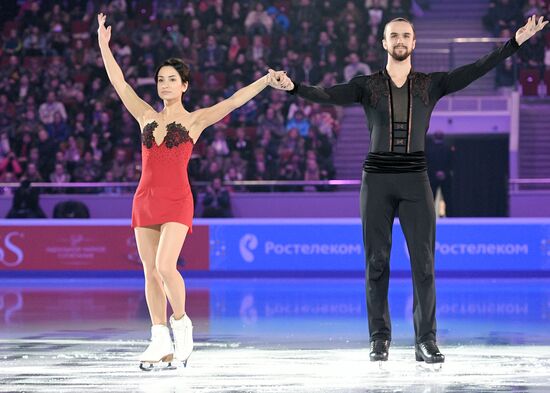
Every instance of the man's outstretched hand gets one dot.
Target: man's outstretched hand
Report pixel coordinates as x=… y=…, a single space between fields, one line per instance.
x=530 y=29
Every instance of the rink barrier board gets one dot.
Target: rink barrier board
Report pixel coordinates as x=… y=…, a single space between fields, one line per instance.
x=241 y=247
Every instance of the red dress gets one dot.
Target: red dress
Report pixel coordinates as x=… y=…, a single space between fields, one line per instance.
x=163 y=193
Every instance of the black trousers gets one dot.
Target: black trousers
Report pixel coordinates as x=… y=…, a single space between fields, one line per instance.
x=382 y=196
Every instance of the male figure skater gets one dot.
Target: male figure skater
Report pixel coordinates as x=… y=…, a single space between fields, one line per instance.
x=398 y=103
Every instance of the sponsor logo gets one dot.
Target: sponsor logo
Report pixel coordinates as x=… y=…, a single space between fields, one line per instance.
x=8 y=245
x=248 y=243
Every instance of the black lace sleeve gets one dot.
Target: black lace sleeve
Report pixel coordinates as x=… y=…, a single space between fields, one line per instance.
x=461 y=77
x=342 y=94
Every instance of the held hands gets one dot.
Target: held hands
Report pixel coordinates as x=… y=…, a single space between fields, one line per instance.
x=279 y=80
x=531 y=27
x=103 y=34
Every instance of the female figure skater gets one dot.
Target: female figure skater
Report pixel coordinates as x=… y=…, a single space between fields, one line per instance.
x=162 y=209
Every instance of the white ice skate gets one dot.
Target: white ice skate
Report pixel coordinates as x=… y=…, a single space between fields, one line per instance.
x=160 y=352
x=183 y=338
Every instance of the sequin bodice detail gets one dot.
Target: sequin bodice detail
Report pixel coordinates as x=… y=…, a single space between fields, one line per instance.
x=175 y=134
x=165 y=164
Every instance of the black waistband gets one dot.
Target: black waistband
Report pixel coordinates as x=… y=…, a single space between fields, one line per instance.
x=386 y=162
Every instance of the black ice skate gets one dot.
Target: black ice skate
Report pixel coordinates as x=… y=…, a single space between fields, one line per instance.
x=428 y=352
x=379 y=350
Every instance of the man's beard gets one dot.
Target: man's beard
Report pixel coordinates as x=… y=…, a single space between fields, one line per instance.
x=401 y=55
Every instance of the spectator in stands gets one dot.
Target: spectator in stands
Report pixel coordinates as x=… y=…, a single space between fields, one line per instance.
x=292 y=144
x=299 y=105
x=351 y=13
x=234 y=20
x=398 y=9
x=47 y=148
x=372 y=53
x=23 y=145
x=58 y=39
x=311 y=173
x=216 y=201
x=234 y=49
x=58 y=130
x=220 y=143
x=323 y=48
x=29 y=124
x=258 y=50
x=258 y=171
x=281 y=22
x=355 y=67
x=189 y=52
x=213 y=171
x=376 y=15
x=505 y=77
x=60 y=175
x=241 y=144
x=531 y=54
x=88 y=170
x=112 y=190
x=306 y=38
x=234 y=161
x=533 y=7
x=120 y=162
x=131 y=175
x=24 y=89
x=35 y=43
x=503 y=14
x=309 y=72
x=73 y=152
x=12 y=44
x=5 y=146
x=334 y=67
x=268 y=148
x=246 y=114
x=49 y=108
x=304 y=10
x=233 y=174
x=32 y=174
x=299 y=123
x=26 y=202
x=10 y=164
x=258 y=21
x=290 y=171
x=211 y=57
x=272 y=122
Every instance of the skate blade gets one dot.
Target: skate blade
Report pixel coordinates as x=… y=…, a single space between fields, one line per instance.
x=164 y=364
x=183 y=361
x=378 y=365
x=433 y=367
x=382 y=365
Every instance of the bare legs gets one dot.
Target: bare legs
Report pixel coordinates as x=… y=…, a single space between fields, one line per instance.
x=159 y=247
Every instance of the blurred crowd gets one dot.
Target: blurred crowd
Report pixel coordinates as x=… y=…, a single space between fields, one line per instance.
x=61 y=121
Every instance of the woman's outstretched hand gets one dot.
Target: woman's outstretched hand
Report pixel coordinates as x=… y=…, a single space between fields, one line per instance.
x=530 y=29
x=103 y=33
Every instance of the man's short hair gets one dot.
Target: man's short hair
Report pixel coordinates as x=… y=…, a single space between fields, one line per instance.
x=400 y=20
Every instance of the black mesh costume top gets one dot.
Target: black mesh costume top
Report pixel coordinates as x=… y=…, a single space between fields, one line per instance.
x=399 y=118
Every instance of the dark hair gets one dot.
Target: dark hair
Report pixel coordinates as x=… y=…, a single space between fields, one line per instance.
x=180 y=66
x=400 y=20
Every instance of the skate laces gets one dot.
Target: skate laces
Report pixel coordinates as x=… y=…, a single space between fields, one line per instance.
x=379 y=346
x=430 y=347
